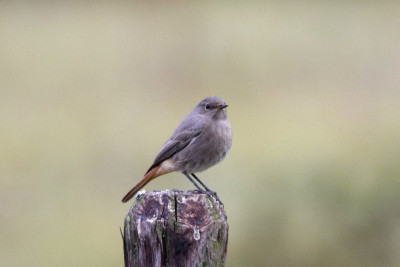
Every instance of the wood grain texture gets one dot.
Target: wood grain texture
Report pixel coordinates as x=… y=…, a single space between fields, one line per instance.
x=175 y=228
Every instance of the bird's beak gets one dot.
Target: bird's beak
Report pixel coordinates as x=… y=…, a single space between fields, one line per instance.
x=222 y=106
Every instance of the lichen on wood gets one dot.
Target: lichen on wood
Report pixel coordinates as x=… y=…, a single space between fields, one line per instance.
x=175 y=228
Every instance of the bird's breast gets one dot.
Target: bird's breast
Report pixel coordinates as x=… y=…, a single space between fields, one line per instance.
x=207 y=149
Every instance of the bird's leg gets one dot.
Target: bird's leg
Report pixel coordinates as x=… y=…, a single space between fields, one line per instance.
x=193 y=182
x=207 y=189
x=198 y=180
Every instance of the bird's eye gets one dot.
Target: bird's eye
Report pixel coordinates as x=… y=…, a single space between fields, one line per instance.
x=207 y=107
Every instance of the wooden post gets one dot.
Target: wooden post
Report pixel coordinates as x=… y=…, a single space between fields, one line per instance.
x=175 y=228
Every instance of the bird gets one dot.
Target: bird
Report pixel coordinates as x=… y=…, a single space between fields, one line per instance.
x=201 y=140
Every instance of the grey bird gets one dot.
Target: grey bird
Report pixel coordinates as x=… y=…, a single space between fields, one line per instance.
x=201 y=140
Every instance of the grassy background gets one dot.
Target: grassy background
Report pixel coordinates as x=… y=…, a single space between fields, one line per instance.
x=90 y=92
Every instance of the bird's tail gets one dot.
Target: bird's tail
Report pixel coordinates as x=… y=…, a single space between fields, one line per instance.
x=147 y=178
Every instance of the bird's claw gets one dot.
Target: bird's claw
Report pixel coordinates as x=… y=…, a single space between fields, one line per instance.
x=214 y=195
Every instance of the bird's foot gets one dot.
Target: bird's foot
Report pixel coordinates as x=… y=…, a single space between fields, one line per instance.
x=214 y=195
x=198 y=191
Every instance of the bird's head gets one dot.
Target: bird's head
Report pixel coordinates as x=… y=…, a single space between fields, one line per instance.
x=213 y=107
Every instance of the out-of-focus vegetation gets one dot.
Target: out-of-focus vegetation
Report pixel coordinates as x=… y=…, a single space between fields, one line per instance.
x=90 y=92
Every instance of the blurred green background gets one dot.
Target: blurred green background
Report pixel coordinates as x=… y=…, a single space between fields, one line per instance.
x=90 y=91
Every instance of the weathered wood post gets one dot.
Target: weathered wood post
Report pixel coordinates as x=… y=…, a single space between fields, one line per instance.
x=175 y=228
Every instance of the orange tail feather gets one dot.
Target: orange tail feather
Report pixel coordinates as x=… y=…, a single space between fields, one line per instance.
x=147 y=178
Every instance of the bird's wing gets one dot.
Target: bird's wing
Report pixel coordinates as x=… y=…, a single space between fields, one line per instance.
x=176 y=143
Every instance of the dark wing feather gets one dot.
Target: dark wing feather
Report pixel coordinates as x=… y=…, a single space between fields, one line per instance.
x=174 y=145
